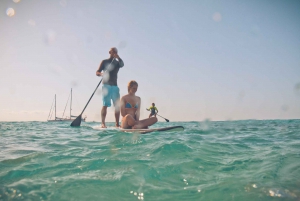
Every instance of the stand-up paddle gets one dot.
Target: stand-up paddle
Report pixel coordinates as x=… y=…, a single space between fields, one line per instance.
x=167 y=120
x=77 y=121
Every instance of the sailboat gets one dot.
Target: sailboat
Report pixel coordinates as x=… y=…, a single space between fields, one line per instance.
x=70 y=118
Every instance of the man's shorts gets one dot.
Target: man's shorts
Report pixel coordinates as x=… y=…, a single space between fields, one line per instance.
x=109 y=93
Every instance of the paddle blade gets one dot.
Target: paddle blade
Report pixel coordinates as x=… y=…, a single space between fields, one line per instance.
x=77 y=121
x=167 y=120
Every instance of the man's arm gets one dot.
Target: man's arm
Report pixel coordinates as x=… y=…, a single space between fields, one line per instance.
x=121 y=63
x=98 y=72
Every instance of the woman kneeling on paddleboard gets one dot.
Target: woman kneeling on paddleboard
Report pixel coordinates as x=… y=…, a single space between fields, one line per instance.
x=130 y=110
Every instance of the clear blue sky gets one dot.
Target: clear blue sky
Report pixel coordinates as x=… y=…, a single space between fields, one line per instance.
x=197 y=60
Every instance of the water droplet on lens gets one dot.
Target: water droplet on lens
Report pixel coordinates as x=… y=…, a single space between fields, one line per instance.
x=122 y=44
x=284 y=108
x=31 y=22
x=63 y=3
x=217 y=17
x=50 y=37
x=10 y=12
x=297 y=88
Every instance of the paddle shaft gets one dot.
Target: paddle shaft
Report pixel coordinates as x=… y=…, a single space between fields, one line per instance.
x=77 y=121
x=91 y=97
x=162 y=117
x=94 y=91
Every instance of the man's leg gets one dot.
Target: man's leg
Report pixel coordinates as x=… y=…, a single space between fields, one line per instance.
x=116 y=101
x=106 y=103
x=117 y=112
x=103 y=115
x=117 y=116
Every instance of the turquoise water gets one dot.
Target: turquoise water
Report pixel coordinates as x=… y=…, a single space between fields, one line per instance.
x=231 y=160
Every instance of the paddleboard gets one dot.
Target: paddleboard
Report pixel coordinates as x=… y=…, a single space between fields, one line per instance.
x=108 y=128
x=143 y=131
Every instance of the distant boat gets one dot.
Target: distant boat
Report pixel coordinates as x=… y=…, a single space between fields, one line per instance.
x=70 y=118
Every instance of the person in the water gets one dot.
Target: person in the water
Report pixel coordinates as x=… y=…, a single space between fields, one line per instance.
x=153 y=110
x=130 y=110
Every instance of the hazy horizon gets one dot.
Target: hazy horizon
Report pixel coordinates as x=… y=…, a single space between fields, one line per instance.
x=196 y=60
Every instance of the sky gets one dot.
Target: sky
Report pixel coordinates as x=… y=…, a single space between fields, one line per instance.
x=197 y=60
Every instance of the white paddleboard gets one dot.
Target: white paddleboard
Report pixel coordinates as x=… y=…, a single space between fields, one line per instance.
x=143 y=131
x=108 y=128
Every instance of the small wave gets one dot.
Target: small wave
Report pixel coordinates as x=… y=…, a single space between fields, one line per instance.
x=23 y=159
x=172 y=147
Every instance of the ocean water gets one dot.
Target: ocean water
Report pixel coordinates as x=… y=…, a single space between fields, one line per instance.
x=230 y=160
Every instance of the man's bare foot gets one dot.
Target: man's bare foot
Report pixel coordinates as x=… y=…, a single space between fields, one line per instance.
x=103 y=126
x=118 y=125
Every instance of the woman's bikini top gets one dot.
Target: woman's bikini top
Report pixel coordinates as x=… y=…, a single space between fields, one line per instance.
x=128 y=105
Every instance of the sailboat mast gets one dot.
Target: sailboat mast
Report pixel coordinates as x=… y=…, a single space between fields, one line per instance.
x=55 y=108
x=71 y=104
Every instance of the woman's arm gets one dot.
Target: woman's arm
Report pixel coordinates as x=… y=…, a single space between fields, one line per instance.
x=122 y=106
x=137 y=114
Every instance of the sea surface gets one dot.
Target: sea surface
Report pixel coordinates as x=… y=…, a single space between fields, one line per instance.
x=230 y=160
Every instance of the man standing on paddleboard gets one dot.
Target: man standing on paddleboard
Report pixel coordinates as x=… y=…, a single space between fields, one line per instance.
x=110 y=89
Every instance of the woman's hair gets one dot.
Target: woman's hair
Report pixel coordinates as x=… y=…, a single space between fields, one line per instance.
x=131 y=84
